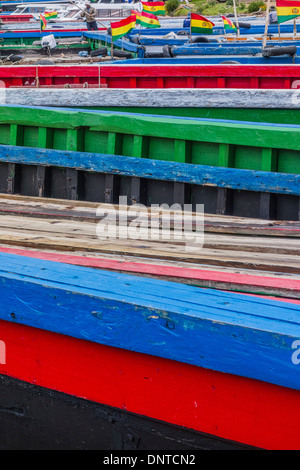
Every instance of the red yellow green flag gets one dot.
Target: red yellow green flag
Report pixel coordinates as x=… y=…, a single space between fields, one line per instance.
x=156 y=8
x=287 y=10
x=43 y=22
x=146 y=19
x=120 y=28
x=200 y=24
x=228 y=25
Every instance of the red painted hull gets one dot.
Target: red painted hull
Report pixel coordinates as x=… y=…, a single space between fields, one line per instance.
x=231 y=407
x=188 y=76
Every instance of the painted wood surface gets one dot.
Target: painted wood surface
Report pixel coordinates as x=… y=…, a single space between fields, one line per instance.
x=248 y=145
x=96 y=97
x=155 y=76
x=205 y=60
x=207 y=278
x=224 y=405
x=255 y=29
x=37 y=34
x=183 y=40
x=232 y=333
x=248 y=180
x=264 y=256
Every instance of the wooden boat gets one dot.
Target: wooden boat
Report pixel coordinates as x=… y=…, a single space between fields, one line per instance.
x=164 y=76
x=232 y=49
x=229 y=173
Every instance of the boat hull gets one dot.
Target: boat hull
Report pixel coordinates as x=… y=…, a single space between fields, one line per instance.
x=259 y=181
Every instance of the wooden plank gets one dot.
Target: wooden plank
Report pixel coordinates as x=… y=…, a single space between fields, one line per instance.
x=176 y=236
x=213 y=279
x=29 y=206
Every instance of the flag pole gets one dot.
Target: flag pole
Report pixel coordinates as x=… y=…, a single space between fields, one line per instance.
x=295 y=29
x=236 y=19
x=264 y=42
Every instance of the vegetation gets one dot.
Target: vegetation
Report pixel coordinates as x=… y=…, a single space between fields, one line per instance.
x=212 y=7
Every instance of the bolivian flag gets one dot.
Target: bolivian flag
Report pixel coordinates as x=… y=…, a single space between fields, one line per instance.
x=120 y=28
x=287 y=10
x=228 y=25
x=43 y=22
x=200 y=24
x=50 y=14
x=156 y=8
x=146 y=19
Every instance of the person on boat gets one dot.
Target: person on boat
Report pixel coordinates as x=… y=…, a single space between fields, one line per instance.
x=89 y=14
x=273 y=16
